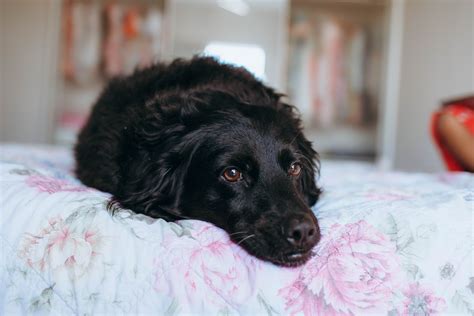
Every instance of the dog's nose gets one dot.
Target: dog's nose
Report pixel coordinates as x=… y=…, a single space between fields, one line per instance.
x=302 y=232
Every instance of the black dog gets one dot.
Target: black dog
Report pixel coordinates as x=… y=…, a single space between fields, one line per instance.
x=203 y=140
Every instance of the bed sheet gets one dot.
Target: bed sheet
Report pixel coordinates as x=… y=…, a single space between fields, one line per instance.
x=392 y=244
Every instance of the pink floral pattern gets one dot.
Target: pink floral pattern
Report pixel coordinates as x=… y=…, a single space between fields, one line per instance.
x=52 y=185
x=356 y=271
x=421 y=301
x=59 y=247
x=299 y=299
x=205 y=267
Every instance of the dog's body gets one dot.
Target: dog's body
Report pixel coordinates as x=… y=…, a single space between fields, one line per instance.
x=199 y=139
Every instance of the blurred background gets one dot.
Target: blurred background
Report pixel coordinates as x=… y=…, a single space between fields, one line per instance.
x=366 y=75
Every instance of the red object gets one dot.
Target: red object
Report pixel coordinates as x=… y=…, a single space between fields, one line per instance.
x=131 y=24
x=463 y=111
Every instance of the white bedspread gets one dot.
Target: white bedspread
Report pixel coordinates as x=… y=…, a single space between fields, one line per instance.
x=393 y=243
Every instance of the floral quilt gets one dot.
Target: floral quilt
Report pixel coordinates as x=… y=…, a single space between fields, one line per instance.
x=392 y=244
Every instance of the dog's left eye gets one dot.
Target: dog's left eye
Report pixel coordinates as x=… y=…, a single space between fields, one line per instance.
x=295 y=169
x=232 y=174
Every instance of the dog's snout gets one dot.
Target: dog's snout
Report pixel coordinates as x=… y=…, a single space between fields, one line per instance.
x=302 y=232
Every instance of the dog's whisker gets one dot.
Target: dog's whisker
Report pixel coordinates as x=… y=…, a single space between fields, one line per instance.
x=245 y=238
x=237 y=233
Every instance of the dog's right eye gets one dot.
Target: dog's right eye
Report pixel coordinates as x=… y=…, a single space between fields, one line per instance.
x=232 y=174
x=295 y=169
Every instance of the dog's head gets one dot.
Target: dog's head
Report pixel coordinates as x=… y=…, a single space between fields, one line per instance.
x=246 y=168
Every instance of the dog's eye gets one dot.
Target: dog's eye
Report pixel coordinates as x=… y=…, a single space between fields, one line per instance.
x=295 y=169
x=232 y=174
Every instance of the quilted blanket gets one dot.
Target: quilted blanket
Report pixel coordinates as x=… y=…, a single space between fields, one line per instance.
x=392 y=244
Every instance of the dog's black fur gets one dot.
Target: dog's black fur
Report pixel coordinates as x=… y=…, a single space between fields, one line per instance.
x=160 y=140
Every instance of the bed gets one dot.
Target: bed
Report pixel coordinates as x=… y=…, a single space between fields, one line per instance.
x=393 y=244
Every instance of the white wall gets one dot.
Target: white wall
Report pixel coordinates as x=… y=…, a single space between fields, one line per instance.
x=28 y=61
x=437 y=63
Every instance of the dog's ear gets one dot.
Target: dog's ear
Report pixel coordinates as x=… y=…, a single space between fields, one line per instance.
x=310 y=162
x=154 y=185
x=310 y=171
x=164 y=144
